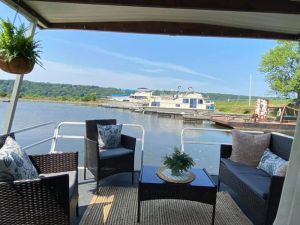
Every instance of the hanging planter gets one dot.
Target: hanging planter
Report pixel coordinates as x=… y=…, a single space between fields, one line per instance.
x=18 y=52
x=18 y=65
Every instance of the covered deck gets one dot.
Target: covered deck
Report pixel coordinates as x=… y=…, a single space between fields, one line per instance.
x=269 y=19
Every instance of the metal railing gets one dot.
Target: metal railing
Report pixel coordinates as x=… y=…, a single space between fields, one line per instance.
x=142 y=139
x=57 y=135
x=210 y=130
x=32 y=128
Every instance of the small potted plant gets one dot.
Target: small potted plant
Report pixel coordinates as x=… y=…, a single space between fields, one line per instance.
x=178 y=162
x=18 y=52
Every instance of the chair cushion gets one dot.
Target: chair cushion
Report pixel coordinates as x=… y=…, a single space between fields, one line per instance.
x=273 y=164
x=72 y=179
x=109 y=136
x=256 y=179
x=111 y=153
x=15 y=163
x=248 y=148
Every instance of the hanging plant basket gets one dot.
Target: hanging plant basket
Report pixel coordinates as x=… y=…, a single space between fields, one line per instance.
x=18 y=51
x=18 y=65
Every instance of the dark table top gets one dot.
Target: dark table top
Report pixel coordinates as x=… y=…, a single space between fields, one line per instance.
x=148 y=176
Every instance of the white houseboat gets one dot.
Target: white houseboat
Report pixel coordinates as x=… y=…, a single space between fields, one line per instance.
x=182 y=101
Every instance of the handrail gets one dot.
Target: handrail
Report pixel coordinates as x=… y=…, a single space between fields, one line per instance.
x=142 y=139
x=37 y=143
x=57 y=135
x=32 y=127
x=208 y=129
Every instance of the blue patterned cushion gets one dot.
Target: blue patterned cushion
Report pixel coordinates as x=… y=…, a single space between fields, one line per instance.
x=273 y=164
x=15 y=163
x=109 y=136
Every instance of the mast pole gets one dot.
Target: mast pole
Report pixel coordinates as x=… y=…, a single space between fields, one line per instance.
x=250 y=87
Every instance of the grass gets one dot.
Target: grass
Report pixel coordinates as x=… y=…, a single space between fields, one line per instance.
x=242 y=106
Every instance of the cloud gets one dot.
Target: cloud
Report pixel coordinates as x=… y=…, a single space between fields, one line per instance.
x=57 y=72
x=152 y=70
x=161 y=65
x=158 y=65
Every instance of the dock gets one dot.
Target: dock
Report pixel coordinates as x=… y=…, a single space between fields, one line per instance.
x=231 y=121
x=247 y=124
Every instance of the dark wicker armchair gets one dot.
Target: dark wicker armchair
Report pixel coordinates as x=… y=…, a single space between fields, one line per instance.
x=51 y=199
x=105 y=163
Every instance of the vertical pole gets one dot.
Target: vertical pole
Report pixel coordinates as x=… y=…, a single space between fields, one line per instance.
x=250 y=87
x=16 y=90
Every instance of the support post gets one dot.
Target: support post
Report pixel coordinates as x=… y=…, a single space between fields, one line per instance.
x=288 y=211
x=16 y=90
x=250 y=89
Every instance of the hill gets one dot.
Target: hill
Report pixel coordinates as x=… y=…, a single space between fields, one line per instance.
x=34 y=90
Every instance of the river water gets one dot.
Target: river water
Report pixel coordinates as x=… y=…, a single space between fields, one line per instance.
x=161 y=134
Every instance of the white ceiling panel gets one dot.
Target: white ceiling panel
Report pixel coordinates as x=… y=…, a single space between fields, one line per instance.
x=70 y=13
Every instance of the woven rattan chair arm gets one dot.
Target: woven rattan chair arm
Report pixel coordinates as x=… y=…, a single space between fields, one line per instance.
x=225 y=151
x=38 y=201
x=91 y=153
x=55 y=162
x=128 y=142
x=274 y=198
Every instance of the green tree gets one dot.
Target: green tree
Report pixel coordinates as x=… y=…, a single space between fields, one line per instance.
x=281 y=65
x=2 y=93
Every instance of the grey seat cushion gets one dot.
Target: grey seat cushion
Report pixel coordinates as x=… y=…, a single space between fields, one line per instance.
x=115 y=152
x=72 y=180
x=256 y=179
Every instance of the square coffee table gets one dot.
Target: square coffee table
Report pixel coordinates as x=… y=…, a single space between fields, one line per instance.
x=202 y=189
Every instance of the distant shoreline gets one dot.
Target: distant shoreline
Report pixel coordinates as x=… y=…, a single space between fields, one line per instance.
x=232 y=107
x=93 y=103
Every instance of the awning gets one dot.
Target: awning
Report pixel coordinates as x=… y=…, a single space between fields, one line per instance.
x=275 y=19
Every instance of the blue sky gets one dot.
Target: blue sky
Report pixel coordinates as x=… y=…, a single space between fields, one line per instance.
x=123 y=60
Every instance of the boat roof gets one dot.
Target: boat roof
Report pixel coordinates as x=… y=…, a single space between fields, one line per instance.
x=275 y=19
x=193 y=95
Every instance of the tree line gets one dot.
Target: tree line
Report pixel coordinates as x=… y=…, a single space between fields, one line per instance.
x=62 y=92
x=68 y=92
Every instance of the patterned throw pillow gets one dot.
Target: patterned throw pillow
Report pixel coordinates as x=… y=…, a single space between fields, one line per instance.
x=15 y=163
x=109 y=136
x=248 y=148
x=273 y=164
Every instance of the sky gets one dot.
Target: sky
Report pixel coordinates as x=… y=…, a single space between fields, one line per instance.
x=161 y=62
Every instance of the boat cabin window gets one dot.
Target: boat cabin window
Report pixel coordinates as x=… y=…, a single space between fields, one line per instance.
x=140 y=97
x=200 y=101
x=185 y=100
x=155 y=104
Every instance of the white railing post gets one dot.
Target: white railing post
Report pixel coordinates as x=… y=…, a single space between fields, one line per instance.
x=56 y=134
x=142 y=139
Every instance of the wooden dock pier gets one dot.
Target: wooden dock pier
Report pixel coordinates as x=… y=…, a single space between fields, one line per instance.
x=247 y=124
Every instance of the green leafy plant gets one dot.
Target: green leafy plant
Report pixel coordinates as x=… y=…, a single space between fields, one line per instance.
x=15 y=43
x=178 y=161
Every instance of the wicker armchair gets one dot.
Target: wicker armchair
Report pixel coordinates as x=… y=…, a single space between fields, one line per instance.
x=46 y=200
x=101 y=165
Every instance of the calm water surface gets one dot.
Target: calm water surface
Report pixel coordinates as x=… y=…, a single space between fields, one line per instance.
x=161 y=134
